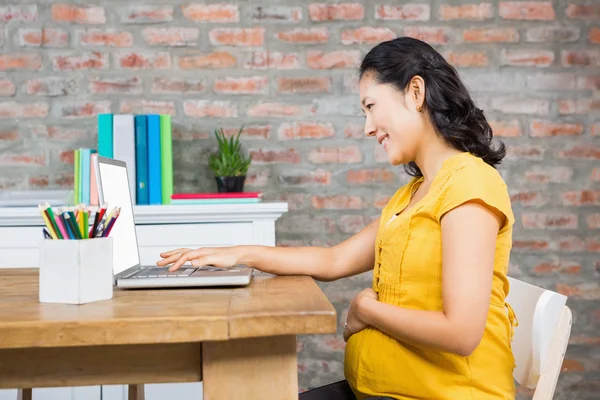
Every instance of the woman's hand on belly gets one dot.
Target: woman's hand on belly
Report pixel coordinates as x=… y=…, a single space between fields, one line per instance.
x=354 y=321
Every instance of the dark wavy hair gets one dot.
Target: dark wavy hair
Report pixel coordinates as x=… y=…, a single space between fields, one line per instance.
x=447 y=101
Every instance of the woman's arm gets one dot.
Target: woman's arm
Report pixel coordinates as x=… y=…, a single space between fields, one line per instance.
x=468 y=244
x=351 y=257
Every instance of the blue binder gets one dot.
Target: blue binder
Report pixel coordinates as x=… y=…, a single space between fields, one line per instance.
x=105 y=135
x=141 y=159
x=154 y=160
x=85 y=165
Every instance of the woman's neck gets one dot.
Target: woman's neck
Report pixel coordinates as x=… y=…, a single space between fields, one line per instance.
x=431 y=159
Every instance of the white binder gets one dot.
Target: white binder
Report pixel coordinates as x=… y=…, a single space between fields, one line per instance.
x=124 y=147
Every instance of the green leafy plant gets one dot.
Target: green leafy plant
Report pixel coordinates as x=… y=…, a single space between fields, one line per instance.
x=230 y=160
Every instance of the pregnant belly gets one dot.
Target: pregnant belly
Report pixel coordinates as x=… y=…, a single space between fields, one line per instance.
x=376 y=364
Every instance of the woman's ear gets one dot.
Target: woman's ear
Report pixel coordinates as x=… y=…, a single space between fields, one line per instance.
x=417 y=92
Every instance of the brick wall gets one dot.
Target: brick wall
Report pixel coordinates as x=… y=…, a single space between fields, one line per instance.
x=287 y=71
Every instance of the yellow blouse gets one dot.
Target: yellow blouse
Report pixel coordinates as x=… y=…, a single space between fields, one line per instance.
x=408 y=273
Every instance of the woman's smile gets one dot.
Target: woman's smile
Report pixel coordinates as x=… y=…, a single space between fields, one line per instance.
x=383 y=140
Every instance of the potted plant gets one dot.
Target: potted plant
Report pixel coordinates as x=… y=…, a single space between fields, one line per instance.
x=229 y=165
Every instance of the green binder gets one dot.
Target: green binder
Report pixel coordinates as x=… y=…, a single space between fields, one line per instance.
x=166 y=158
x=77 y=177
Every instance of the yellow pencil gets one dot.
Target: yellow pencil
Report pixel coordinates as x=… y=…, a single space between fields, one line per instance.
x=48 y=223
x=86 y=222
x=109 y=216
x=80 y=218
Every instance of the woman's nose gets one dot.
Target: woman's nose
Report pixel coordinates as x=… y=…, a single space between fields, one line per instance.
x=369 y=127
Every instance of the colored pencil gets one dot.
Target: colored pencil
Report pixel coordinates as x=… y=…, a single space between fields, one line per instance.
x=86 y=221
x=79 y=216
x=70 y=233
x=112 y=223
x=109 y=216
x=47 y=222
x=73 y=224
x=52 y=219
x=92 y=232
x=61 y=226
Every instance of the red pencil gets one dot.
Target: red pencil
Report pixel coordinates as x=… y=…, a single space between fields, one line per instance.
x=97 y=220
x=102 y=211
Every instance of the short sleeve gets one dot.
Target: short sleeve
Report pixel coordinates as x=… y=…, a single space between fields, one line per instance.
x=474 y=182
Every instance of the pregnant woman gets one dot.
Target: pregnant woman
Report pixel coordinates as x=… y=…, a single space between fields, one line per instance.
x=435 y=323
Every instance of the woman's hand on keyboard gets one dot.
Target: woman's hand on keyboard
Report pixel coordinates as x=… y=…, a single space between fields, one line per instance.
x=221 y=257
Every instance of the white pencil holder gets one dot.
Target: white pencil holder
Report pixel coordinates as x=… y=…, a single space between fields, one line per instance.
x=76 y=271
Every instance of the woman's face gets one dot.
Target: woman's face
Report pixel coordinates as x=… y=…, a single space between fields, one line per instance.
x=392 y=117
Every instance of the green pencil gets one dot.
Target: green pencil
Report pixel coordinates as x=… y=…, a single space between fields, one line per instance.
x=72 y=221
x=86 y=222
x=53 y=221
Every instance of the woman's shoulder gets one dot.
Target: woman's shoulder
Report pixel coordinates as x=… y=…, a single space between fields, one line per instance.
x=472 y=171
x=474 y=179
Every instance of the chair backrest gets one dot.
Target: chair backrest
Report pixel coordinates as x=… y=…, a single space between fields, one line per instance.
x=544 y=325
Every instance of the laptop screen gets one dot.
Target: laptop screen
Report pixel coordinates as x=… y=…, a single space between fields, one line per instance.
x=115 y=193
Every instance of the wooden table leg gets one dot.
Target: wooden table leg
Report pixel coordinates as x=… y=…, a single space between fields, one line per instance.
x=25 y=394
x=251 y=369
x=136 y=392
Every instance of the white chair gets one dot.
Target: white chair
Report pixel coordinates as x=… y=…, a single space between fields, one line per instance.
x=541 y=337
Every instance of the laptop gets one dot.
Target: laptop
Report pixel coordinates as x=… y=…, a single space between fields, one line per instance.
x=114 y=190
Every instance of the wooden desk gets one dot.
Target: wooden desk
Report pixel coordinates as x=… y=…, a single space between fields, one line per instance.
x=240 y=342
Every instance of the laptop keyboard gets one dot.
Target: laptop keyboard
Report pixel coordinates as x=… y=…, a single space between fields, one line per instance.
x=161 y=272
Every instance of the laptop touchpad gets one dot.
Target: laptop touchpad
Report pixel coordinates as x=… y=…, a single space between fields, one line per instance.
x=210 y=270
